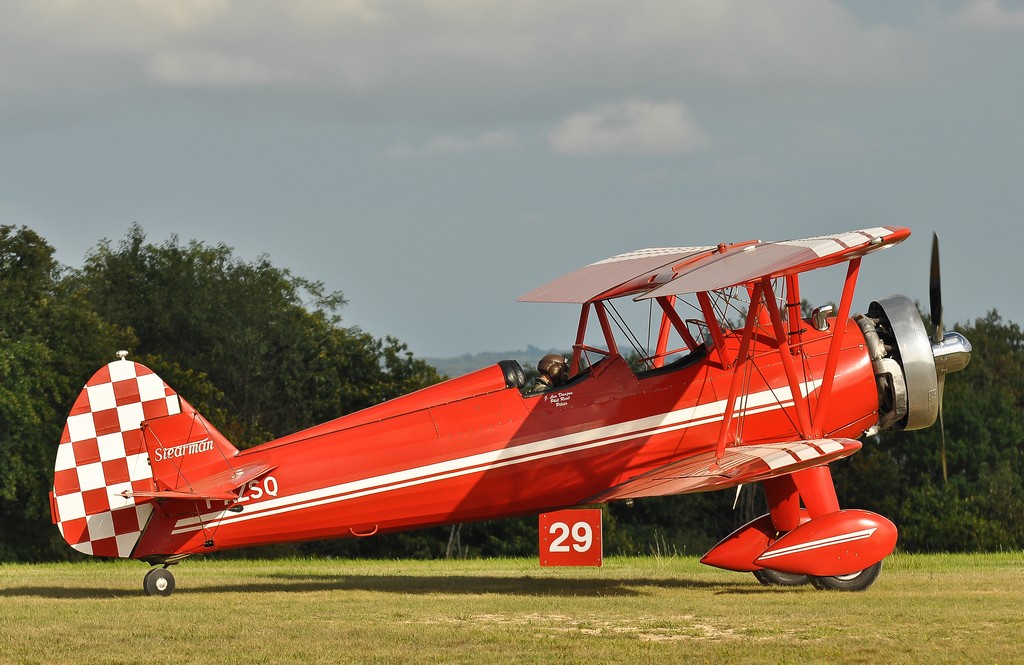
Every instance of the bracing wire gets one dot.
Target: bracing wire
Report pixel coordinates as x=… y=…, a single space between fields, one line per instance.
x=630 y=336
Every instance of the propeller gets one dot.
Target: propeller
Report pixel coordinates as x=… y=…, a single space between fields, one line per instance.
x=935 y=292
x=935 y=298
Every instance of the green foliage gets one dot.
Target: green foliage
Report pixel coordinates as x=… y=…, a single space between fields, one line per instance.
x=274 y=358
x=262 y=353
x=981 y=508
x=48 y=341
x=985 y=516
x=258 y=350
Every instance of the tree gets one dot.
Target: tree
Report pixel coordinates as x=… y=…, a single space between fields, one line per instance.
x=268 y=344
x=258 y=350
x=263 y=353
x=981 y=508
x=49 y=341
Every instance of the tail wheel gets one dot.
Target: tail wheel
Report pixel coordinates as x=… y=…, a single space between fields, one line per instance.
x=769 y=577
x=858 y=581
x=158 y=582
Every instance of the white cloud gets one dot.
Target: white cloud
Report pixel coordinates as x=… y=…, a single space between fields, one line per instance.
x=632 y=127
x=180 y=13
x=453 y=144
x=206 y=69
x=115 y=25
x=991 y=15
x=521 y=57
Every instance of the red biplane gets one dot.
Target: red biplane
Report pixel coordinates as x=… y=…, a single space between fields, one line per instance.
x=773 y=399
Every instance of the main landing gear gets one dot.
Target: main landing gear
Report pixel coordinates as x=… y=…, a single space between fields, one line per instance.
x=858 y=581
x=769 y=577
x=853 y=582
x=158 y=582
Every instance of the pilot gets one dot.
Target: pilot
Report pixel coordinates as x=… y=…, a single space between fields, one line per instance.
x=552 y=371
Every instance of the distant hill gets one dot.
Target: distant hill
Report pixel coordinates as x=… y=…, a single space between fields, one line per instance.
x=469 y=362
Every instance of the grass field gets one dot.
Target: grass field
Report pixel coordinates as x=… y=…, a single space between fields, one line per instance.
x=922 y=609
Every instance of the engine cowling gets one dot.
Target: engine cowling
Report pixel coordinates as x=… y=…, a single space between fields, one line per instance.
x=908 y=366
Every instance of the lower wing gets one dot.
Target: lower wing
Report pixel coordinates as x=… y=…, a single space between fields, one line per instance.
x=739 y=465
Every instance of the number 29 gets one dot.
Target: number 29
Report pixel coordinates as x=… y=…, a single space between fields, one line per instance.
x=581 y=534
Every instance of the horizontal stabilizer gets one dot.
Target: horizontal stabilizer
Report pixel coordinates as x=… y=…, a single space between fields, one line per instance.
x=706 y=472
x=222 y=486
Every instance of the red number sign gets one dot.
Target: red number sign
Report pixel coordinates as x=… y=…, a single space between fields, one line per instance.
x=571 y=538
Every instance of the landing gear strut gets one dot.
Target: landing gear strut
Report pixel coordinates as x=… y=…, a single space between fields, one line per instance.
x=158 y=582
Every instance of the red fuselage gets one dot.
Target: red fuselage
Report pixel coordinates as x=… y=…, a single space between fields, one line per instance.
x=473 y=448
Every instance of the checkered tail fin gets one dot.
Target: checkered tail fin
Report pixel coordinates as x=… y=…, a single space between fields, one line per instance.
x=129 y=440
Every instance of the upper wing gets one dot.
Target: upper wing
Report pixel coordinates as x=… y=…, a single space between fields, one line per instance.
x=776 y=259
x=740 y=464
x=649 y=273
x=621 y=273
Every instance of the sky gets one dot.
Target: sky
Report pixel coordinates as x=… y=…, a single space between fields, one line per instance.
x=435 y=159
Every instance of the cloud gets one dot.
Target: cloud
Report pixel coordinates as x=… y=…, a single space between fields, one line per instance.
x=455 y=145
x=817 y=145
x=118 y=25
x=991 y=15
x=635 y=127
x=448 y=57
x=206 y=69
x=179 y=13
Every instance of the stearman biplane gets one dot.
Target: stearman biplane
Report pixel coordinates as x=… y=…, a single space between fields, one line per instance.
x=772 y=399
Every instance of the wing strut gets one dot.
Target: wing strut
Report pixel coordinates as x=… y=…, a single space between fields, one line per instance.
x=793 y=304
x=737 y=370
x=670 y=316
x=825 y=392
x=810 y=425
x=714 y=327
x=581 y=333
x=785 y=352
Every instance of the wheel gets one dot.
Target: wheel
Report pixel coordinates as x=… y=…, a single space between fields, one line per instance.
x=158 y=582
x=769 y=577
x=853 y=582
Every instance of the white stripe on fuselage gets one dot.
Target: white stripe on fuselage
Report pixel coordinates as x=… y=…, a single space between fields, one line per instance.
x=769 y=400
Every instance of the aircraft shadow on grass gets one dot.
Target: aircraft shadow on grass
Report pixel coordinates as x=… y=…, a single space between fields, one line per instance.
x=415 y=585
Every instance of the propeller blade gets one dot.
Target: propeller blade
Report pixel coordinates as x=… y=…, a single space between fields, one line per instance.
x=935 y=298
x=942 y=430
x=935 y=291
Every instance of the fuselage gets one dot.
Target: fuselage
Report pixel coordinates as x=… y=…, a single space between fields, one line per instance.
x=475 y=447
